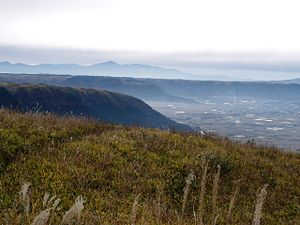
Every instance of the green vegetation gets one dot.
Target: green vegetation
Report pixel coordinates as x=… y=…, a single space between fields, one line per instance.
x=131 y=175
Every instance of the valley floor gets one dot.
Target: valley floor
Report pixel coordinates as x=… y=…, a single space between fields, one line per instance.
x=267 y=122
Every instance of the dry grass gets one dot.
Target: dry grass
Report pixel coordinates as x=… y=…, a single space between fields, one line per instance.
x=111 y=165
x=232 y=202
x=261 y=197
x=189 y=181
x=215 y=195
x=202 y=193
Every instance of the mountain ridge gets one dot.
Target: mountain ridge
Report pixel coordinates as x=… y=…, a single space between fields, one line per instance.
x=99 y=104
x=131 y=86
x=170 y=90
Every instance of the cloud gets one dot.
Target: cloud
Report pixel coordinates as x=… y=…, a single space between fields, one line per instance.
x=22 y=7
x=158 y=26
x=36 y=54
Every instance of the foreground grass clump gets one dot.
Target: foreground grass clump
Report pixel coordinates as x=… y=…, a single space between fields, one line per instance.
x=130 y=175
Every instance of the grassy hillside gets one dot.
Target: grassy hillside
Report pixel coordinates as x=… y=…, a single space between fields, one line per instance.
x=130 y=175
x=99 y=104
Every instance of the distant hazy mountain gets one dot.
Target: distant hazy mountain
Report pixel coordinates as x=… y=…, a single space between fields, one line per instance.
x=105 y=69
x=292 y=67
x=109 y=68
x=292 y=81
x=210 y=89
x=103 y=105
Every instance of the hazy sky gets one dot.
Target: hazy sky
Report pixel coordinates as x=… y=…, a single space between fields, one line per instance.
x=153 y=25
x=188 y=31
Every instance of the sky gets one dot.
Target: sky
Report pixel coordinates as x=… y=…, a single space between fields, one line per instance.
x=173 y=33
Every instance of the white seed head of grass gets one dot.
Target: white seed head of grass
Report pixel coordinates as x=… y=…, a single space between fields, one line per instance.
x=74 y=211
x=42 y=218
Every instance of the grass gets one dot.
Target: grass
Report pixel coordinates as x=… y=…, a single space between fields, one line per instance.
x=131 y=175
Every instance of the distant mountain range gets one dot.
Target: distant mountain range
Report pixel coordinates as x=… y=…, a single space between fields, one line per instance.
x=291 y=67
x=102 y=105
x=109 y=68
x=292 y=81
x=211 y=89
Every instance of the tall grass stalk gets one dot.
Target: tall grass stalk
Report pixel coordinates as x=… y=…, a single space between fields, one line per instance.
x=134 y=210
x=261 y=197
x=158 y=205
x=195 y=215
x=45 y=199
x=42 y=218
x=202 y=191
x=188 y=181
x=216 y=220
x=24 y=197
x=74 y=211
x=54 y=207
x=215 y=192
x=232 y=201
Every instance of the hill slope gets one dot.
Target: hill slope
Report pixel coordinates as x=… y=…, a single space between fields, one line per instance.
x=135 y=87
x=168 y=89
x=103 y=105
x=112 y=165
